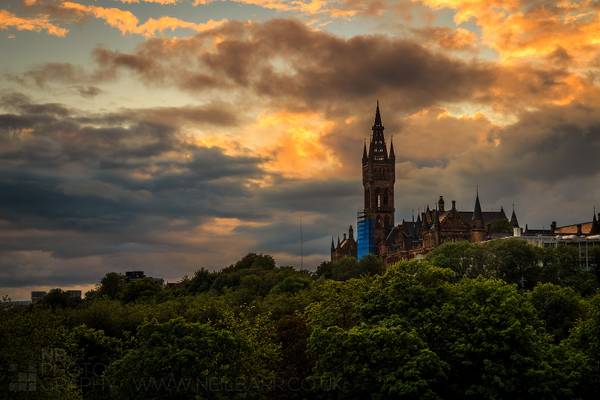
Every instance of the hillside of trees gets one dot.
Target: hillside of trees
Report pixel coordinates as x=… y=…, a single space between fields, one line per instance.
x=501 y=320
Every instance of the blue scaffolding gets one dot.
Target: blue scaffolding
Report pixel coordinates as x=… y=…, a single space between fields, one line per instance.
x=365 y=235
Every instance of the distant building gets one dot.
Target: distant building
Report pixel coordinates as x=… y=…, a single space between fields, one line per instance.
x=131 y=276
x=584 y=243
x=37 y=295
x=344 y=248
x=74 y=294
x=134 y=275
x=377 y=232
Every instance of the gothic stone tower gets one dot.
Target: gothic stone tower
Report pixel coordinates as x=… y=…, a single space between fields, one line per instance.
x=379 y=175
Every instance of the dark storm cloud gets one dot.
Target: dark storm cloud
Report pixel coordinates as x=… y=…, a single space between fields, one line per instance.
x=59 y=171
x=552 y=144
x=311 y=195
x=110 y=191
x=284 y=58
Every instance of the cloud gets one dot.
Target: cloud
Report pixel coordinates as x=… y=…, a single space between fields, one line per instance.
x=284 y=59
x=520 y=29
x=335 y=8
x=296 y=67
x=35 y=24
x=113 y=191
x=448 y=38
x=127 y=23
x=161 y=2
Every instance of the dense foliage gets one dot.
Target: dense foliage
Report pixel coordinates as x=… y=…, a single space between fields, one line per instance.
x=496 y=320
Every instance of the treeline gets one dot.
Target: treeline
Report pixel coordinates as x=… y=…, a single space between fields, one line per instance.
x=500 y=320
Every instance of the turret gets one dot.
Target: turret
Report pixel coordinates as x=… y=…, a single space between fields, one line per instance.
x=441 y=204
x=351 y=233
x=332 y=245
x=477 y=224
x=513 y=219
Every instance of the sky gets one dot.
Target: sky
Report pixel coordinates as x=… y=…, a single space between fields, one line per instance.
x=170 y=135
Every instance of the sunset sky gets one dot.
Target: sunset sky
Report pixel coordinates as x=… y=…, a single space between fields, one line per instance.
x=169 y=135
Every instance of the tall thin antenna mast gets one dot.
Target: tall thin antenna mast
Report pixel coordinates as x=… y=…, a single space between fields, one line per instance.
x=301 y=245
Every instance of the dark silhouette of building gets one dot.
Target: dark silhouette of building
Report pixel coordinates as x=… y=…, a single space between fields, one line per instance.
x=377 y=232
x=345 y=248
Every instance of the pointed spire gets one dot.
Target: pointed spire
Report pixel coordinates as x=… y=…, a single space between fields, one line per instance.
x=477 y=214
x=392 y=154
x=514 y=222
x=332 y=245
x=365 y=156
x=338 y=240
x=351 y=232
x=377 y=123
x=377 y=148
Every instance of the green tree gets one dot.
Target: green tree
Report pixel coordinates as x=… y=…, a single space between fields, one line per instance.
x=558 y=307
x=380 y=362
x=514 y=261
x=140 y=289
x=181 y=360
x=112 y=286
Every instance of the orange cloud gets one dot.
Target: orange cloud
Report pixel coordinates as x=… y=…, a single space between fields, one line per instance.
x=163 y=2
x=127 y=23
x=518 y=29
x=293 y=142
x=36 y=24
x=448 y=38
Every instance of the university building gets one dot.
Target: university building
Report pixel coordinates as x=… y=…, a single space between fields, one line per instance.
x=378 y=234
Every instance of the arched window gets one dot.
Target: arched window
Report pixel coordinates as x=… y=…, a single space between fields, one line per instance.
x=385 y=198
x=378 y=198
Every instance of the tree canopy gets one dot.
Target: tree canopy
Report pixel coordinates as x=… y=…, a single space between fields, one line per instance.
x=483 y=321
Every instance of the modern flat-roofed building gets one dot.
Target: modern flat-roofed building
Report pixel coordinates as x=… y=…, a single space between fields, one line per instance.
x=37 y=295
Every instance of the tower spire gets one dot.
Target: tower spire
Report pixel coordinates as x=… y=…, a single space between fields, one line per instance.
x=365 y=156
x=392 y=154
x=377 y=122
x=514 y=222
x=477 y=214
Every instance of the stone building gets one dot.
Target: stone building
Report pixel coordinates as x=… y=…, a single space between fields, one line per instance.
x=345 y=248
x=377 y=232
